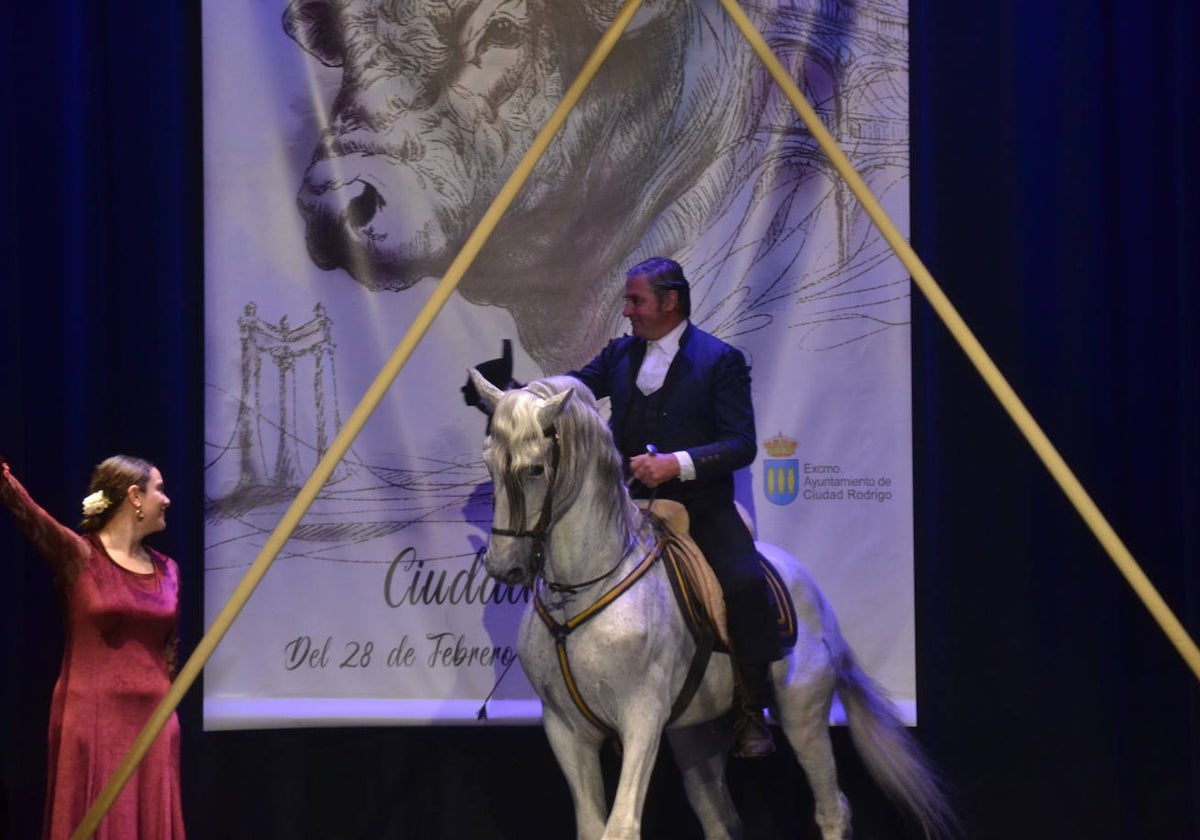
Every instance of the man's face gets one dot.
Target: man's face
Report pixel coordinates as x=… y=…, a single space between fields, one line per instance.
x=649 y=318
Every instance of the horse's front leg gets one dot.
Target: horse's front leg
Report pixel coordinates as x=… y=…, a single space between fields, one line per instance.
x=579 y=757
x=639 y=743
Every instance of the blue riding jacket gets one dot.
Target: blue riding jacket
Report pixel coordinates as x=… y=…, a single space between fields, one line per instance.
x=704 y=407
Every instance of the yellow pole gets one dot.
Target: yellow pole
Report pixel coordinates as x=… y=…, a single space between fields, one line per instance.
x=987 y=369
x=341 y=443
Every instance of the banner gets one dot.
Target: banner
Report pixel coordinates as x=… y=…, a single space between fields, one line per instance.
x=351 y=146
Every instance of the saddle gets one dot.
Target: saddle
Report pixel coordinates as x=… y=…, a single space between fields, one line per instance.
x=701 y=600
x=696 y=586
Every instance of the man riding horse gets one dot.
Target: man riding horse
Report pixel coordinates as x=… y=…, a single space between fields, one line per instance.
x=683 y=419
x=606 y=639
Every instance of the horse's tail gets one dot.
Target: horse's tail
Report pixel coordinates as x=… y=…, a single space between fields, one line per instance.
x=892 y=756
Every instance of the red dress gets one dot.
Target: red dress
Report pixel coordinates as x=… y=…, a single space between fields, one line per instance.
x=121 y=632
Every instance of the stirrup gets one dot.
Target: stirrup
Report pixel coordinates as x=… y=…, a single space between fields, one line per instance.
x=751 y=735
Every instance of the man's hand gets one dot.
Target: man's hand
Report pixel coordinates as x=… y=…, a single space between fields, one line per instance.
x=652 y=470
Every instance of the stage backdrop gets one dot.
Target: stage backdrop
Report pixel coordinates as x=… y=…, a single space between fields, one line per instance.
x=352 y=145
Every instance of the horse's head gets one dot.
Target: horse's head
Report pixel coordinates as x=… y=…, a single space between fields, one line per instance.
x=524 y=457
x=548 y=445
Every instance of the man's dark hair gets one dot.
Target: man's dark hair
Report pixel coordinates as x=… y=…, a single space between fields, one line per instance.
x=665 y=275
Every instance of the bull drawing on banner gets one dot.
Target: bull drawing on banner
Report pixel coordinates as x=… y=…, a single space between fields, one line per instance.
x=681 y=145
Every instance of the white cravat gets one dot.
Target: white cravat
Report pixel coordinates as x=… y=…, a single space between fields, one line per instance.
x=654 y=368
x=659 y=355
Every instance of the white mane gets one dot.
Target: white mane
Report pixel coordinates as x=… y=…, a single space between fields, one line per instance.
x=588 y=456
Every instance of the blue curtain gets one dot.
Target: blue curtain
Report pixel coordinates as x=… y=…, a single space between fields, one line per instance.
x=1054 y=198
x=1055 y=184
x=102 y=330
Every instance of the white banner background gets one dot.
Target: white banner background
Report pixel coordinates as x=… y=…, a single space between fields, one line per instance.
x=318 y=262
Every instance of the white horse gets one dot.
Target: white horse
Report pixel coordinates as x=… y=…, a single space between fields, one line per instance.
x=607 y=648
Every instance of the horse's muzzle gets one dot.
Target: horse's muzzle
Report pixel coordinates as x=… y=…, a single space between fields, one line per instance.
x=513 y=577
x=501 y=571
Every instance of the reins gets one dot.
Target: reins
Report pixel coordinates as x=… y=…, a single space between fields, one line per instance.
x=572 y=588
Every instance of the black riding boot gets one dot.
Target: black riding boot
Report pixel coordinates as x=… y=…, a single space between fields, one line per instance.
x=752 y=736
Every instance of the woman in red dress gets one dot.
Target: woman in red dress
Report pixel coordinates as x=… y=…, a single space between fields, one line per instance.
x=120 y=602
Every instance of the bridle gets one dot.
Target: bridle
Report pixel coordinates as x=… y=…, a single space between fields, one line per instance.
x=542 y=527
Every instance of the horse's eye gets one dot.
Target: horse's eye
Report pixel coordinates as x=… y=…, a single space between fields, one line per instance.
x=537 y=469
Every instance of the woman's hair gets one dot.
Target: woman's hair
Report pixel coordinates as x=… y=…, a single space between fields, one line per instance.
x=112 y=477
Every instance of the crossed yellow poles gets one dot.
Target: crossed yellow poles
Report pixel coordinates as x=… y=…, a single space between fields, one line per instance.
x=391 y=369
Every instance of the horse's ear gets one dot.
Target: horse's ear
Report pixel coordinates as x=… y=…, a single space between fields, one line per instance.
x=489 y=394
x=549 y=411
